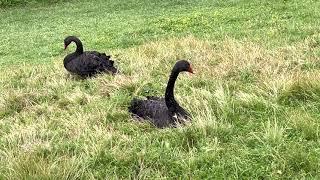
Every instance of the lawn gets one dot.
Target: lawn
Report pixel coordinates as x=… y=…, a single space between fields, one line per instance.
x=254 y=97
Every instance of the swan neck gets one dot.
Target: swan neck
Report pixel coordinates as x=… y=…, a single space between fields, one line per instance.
x=169 y=95
x=79 y=46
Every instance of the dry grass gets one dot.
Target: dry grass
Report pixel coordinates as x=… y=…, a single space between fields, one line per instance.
x=250 y=105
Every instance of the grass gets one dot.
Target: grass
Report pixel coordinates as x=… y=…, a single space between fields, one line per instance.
x=254 y=99
x=105 y=25
x=12 y=3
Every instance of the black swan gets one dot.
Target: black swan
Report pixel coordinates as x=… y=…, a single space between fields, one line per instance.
x=86 y=63
x=163 y=112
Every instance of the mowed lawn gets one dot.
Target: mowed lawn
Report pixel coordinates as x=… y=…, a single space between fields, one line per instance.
x=254 y=97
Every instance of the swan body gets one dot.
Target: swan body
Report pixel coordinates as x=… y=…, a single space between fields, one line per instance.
x=86 y=63
x=163 y=112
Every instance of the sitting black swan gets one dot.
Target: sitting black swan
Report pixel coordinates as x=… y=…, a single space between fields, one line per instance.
x=163 y=112
x=86 y=63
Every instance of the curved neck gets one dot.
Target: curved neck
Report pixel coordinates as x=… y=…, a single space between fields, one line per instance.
x=79 y=46
x=169 y=96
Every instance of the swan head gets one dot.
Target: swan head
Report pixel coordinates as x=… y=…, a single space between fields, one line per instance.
x=183 y=65
x=68 y=40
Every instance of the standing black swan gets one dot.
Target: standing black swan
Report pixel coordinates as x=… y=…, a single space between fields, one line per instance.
x=163 y=112
x=86 y=63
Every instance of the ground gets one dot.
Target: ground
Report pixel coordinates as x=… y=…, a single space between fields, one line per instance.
x=254 y=97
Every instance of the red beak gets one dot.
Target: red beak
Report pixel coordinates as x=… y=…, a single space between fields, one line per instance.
x=65 y=47
x=190 y=70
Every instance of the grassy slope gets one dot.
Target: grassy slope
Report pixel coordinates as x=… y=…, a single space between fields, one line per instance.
x=255 y=98
x=36 y=34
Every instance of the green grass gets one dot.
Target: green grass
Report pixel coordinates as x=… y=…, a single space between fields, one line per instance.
x=255 y=97
x=12 y=3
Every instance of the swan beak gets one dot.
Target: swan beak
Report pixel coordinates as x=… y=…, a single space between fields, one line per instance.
x=190 y=70
x=65 y=47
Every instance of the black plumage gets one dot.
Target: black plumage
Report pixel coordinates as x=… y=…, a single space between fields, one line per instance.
x=86 y=63
x=163 y=112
